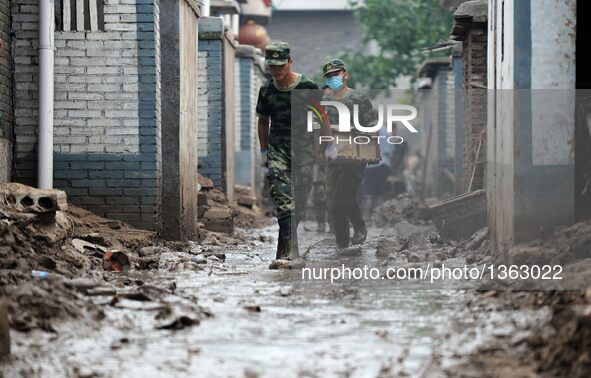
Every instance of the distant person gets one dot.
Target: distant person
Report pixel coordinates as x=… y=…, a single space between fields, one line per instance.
x=344 y=177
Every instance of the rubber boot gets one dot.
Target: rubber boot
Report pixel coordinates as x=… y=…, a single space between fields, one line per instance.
x=290 y=238
x=283 y=240
x=281 y=249
x=359 y=228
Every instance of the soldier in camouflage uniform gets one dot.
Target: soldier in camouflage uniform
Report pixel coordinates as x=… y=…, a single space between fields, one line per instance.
x=343 y=178
x=287 y=149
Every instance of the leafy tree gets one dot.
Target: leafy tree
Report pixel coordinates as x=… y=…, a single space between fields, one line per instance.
x=401 y=29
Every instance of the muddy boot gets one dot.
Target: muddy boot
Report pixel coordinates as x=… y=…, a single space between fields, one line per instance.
x=359 y=236
x=281 y=248
x=349 y=251
x=289 y=258
x=359 y=228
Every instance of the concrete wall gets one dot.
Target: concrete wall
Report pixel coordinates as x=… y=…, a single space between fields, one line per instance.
x=216 y=92
x=179 y=119
x=531 y=163
x=6 y=87
x=107 y=109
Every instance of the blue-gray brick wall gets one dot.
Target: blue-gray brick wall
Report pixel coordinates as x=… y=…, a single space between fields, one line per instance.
x=210 y=148
x=107 y=109
x=247 y=171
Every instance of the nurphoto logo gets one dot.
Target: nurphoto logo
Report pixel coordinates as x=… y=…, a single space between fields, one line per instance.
x=389 y=115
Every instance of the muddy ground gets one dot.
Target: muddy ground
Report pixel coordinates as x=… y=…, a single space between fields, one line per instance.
x=212 y=308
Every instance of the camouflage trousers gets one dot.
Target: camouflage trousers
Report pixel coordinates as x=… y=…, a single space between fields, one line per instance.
x=289 y=190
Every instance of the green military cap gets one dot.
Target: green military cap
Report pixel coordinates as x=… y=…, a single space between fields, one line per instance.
x=276 y=53
x=333 y=65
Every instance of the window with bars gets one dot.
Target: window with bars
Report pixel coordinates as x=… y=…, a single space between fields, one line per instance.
x=80 y=15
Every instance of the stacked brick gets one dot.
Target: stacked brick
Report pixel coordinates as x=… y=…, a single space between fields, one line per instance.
x=107 y=109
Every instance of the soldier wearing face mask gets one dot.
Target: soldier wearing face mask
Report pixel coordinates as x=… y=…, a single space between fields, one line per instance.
x=343 y=177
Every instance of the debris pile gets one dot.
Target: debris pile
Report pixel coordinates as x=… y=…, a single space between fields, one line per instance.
x=249 y=215
x=214 y=211
x=55 y=258
x=405 y=207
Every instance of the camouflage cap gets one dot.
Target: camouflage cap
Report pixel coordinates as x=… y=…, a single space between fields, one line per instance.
x=333 y=65
x=276 y=53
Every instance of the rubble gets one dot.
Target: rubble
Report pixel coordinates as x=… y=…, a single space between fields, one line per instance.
x=405 y=207
x=404 y=236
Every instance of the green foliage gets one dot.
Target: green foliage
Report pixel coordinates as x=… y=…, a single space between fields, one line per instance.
x=401 y=28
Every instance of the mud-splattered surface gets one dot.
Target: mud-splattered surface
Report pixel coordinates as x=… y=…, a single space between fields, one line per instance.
x=269 y=324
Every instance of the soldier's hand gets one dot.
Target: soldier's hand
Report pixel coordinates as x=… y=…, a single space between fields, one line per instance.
x=330 y=152
x=264 y=158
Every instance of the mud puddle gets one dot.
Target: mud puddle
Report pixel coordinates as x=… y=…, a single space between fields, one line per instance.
x=264 y=324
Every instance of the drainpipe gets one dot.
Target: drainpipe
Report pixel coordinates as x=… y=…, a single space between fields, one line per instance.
x=235 y=25
x=205 y=8
x=45 y=132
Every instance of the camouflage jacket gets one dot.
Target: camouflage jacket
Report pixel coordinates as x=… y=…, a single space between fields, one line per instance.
x=289 y=141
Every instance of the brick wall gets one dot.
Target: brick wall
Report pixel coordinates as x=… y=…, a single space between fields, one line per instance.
x=209 y=146
x=216 y=103
x=475 y=108
x=107 y=109
x=251 y=76
x=6 y=86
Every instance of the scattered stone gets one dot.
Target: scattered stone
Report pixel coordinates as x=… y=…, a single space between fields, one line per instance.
x=285 y=291
x=218 y=213
x=437 y=263
x=151 y=250
x=252 y=308
x=404 y=235
x=417 y=257
x=287 y=264
x=202 y=199
x=225 y=226
x=83 y=246
x=199 y=259
x=204 y=182
x=82 y=284
x=101 y=291
x=405 y=207
x=477 y=239
x=349 y=251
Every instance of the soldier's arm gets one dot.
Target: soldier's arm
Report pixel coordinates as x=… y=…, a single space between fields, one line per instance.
x=263 y=125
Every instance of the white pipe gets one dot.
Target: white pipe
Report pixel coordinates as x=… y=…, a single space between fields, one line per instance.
x=227 y=20
x=205 y=8
x=45 y=132
x=235 y=25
